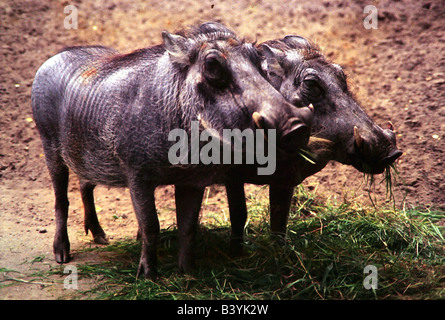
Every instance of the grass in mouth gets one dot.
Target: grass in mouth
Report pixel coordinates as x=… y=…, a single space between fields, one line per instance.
x=323 y=257
x=391 y=177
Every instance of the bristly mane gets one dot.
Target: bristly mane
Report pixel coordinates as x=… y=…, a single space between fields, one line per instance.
x=305 y=48
x=213 y=31
x=209 y=31
x=308 y=49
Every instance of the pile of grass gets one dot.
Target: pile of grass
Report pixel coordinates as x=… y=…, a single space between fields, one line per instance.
x=323 y=257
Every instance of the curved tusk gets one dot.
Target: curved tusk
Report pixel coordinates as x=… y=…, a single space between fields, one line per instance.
x=311 y=107
x=258 y=120
x=390 y=126
x=358 y=138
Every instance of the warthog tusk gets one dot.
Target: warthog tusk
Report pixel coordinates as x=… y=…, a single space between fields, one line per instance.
x=390 y=126
x=357 y=137
x=258 y=119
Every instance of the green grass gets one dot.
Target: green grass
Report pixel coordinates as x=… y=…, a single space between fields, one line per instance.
x=323 y=257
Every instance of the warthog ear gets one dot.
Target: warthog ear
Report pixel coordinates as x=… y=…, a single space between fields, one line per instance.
x=274 y=59
x=178 y=47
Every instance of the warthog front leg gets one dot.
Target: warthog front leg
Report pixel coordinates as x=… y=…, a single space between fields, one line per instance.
x=188 y=204
x=142 y=196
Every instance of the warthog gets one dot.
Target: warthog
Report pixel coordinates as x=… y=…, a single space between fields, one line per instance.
x=107 y=117
x=341 y=130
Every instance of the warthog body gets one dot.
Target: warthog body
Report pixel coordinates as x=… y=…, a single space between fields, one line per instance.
x=108 y=116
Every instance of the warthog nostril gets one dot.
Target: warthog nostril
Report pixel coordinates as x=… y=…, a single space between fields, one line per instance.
x=296 y=137
x=392 y=156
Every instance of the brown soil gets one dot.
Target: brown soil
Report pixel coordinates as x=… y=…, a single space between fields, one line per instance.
x=397 y=72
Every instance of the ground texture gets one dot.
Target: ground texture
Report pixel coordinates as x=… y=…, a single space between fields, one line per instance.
x=396 y=71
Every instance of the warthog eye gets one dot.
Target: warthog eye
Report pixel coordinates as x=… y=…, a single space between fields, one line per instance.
x=312 y=88
x=215 y=71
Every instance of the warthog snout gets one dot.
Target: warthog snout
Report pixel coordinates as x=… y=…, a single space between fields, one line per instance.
x=296 y=136
x=393 y=153
x=295 y=131
x=392 y=156
x=377 y=150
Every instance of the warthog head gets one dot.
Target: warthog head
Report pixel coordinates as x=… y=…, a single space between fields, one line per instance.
x=297 y=68
x=224 y=83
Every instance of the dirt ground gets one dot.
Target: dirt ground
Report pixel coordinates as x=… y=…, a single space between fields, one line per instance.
x=397 y=72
